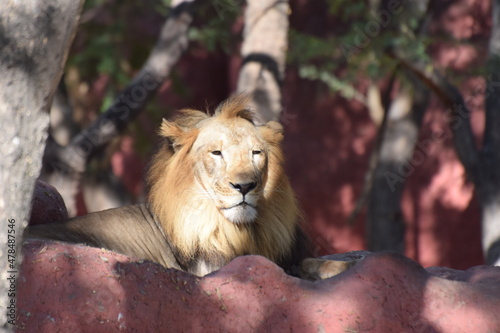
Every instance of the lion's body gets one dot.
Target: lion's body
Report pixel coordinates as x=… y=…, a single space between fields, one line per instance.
x=217 y=191
x=130 y=230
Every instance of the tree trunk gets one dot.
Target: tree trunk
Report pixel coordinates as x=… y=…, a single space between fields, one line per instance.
x=34 y=39
x=395 y=163
x=264 y=54
x=481 y=165
x=395 y=156
x=489 y=175
x=64 y=166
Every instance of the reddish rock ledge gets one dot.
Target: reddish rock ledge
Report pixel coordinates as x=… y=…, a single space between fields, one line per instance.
x=47 y=204
x=73 y=288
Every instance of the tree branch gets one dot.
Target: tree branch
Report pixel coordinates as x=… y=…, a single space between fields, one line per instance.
x=457 y=113
x=172 y=43
x=63 y=166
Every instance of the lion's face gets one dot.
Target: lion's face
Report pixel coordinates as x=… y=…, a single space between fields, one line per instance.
x=231 y=167
x=218 y=187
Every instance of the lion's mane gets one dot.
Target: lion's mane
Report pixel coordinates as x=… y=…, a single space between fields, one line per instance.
x=196 y=228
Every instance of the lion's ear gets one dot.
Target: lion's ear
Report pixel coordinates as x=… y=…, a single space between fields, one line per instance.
x=272 y=132
x=176 y=135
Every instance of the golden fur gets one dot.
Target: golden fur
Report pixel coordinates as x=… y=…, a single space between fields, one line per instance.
x=189 y=214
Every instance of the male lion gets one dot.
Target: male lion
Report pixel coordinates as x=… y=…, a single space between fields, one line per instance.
x=217 y=190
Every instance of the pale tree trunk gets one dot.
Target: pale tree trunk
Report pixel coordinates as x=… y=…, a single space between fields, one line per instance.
x=264 y=53
x=64 y=166
x=489 y=175
x=396 y=161
x=394 y=157
x=34 y=39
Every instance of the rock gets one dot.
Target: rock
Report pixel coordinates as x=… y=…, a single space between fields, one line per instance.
x=73 y=288
x=47 y=205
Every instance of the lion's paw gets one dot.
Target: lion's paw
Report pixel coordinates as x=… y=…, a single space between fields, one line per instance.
x=327 y=266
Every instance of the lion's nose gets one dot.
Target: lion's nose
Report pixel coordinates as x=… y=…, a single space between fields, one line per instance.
x=243 y=188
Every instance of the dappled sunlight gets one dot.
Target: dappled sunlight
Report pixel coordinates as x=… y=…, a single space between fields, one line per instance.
x=128 y=166
x=70 y=288
x=76 y=275
x=448 y=186
x=460 y=19
x=347 y=199
x=457 y=57
x=327 y=150
x=439 y=205
x=457 y=302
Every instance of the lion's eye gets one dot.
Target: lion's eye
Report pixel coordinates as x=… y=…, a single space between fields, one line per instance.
x=216 y=153
x=256 y=152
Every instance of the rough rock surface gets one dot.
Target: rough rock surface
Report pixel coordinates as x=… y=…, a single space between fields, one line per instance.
x=73 y=288
x=48 y=205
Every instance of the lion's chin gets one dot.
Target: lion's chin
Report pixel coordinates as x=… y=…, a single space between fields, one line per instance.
x=240 y=214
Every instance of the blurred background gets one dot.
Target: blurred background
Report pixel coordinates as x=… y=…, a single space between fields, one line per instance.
x=369 y=145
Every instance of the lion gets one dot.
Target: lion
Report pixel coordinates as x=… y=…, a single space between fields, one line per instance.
x=217 y=190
